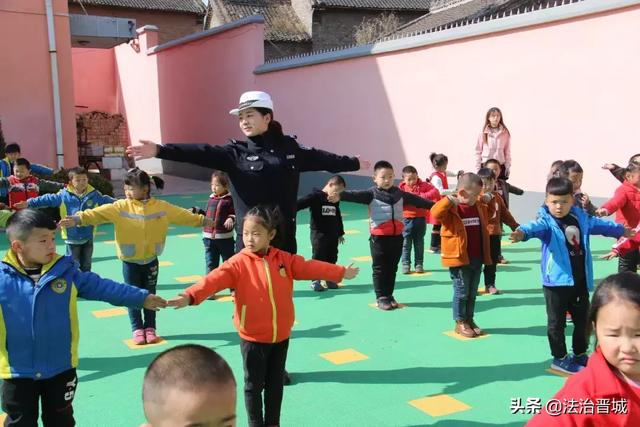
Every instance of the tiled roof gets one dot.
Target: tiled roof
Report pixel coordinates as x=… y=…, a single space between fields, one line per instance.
x=419 y=5
x=469 y=10
x=188 y=6
x=281 y=21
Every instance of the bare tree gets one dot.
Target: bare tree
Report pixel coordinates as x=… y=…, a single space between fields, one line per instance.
x=374 y=29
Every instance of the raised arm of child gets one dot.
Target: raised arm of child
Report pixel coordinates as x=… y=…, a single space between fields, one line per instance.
x=181 y=216
x=224 y=277
x=357 y=196
x=51 y=200
x=50 y=186
x=311 y=269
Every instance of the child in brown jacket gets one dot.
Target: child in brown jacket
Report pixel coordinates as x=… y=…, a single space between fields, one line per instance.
x=497 y=214
x=465 y=247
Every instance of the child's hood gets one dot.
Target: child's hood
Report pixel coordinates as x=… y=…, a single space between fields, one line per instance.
x=71 y=189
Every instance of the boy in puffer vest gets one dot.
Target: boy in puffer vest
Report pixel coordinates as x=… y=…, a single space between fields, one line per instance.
x=39 y=321
x=76 y=197
x=385 y=202
x=23 y=186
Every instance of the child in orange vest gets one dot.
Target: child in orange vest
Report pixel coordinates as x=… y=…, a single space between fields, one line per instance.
x=263 y=279
x=23 y=186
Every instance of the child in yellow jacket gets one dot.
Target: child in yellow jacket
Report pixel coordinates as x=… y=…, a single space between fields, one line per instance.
x=141 y=223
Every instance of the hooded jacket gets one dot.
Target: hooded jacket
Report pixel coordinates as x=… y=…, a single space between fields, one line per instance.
x=39 y=321
x=263 y=286
x=555 y=263
x=70 y=203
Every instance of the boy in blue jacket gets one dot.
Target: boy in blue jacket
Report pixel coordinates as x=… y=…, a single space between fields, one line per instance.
x=39 y=321
x=567 y=268
x=76 y=197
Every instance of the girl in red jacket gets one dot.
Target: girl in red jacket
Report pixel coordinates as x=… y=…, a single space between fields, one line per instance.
x=626 y=204
x=263 y=279
x=607 y=392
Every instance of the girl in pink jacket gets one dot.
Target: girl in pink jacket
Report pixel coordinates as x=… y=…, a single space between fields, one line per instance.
x=494 y=142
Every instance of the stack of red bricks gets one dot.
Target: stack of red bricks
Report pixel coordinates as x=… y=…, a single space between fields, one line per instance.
x=104 y=129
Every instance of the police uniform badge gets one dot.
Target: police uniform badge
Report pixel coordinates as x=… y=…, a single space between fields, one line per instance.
x=59 y=286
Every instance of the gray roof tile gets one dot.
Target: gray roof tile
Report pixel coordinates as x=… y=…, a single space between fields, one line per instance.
x=419 y=5
x=188 y=6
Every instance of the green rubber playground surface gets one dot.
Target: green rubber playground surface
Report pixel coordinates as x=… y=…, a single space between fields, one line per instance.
x=352 y=365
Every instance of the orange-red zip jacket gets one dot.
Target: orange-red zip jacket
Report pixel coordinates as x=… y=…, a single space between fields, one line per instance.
x=497 y=213
x=264 y=310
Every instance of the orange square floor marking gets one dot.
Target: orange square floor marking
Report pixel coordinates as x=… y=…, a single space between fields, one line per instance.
x=341 y=357
x=439 y=405
x=109 y=242
x=224 y=298
x=362 y=258
x=558 y=373
x=188 y=235
x=165 y=263
x=110 y=312
x=453 y=334
x=129 y=343
x=350 y=232
x=188 y=279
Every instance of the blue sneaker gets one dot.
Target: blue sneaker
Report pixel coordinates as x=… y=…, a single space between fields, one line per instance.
x=316 y=285
x=581 y=359
x=383 y=303
x=566 y=365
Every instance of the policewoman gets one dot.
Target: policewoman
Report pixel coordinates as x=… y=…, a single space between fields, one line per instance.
x=263 y=170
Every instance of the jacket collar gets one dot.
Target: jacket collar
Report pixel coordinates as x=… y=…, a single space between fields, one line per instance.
x=603 y=376
x=12 y=259
x=71 y=189
x=270 y=254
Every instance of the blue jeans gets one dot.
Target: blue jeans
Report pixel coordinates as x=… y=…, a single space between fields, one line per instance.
x=144 y=276
x=82 y=254
x=414 y=231
x=214 y=249
x=465 y=288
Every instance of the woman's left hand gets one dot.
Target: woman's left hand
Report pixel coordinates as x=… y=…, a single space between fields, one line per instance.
x=364 y=164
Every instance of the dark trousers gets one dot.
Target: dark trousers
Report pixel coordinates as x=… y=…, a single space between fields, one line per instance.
x=324 y=246
x=82 y=253
x=629 y=262
x=385 y=254
x=559 y=300
x=435 y=236
x=214 y=249
x=465 y=288
x=143 y=276
x=490 y=270
x=263 y=370
x=413 y=234
x=21 y=396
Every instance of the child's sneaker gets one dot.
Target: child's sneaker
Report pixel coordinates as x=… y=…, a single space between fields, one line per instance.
x=569 y=318
x=502 y=260
x=138 y=337
x=317 y=286
x=434 y=250
x=566 y=364
x=383 y=303
x=393 y=302
x=419 y=269
x=491 y=290
x=406 y=269
x=150 y=335
x=332 y=285
x=464 y=329
x=581 y=359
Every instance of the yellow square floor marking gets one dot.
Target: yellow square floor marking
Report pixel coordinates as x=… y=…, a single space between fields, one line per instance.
x=350 y=232
x=101 y=233
x=426 y=273
x=400 y=306
x=341 y=357
x=165 y=263
x=129 y=343
x=453 y=334
x=109 y=242
x=188 y=279
x=171 y=227
x=361 y=258
x=2 y=417
x=224 y=298
x=439 y=405
x=110 y=312
x=558 y=373
x=189 y=235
